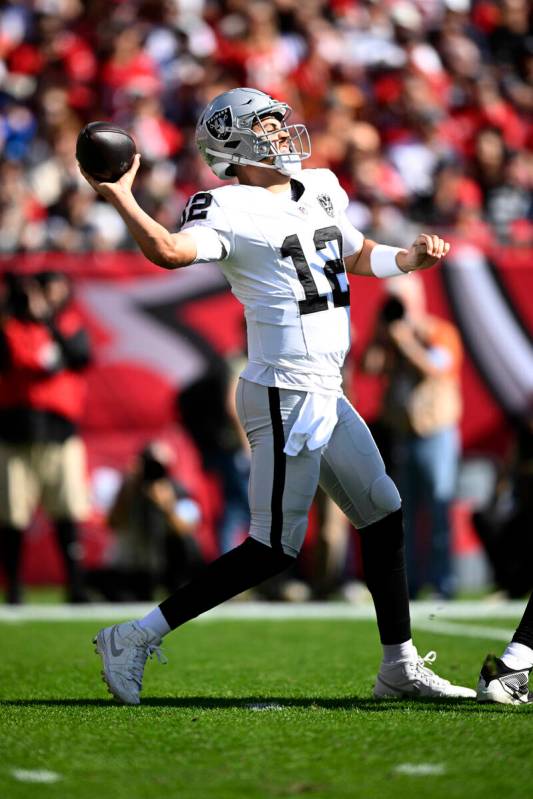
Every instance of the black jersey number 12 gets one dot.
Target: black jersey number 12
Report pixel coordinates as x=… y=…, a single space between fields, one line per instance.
x=196 y=208
x=315 y=302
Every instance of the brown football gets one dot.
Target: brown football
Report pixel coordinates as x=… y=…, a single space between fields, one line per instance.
x=105 y=151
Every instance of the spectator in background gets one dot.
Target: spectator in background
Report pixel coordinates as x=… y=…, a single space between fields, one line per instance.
x=20 y=210
x=128 y=67
x=420 y=356
x=490 y=155
x=155 y=520
x=510 y=201
x=43 y=352
x=452 y=193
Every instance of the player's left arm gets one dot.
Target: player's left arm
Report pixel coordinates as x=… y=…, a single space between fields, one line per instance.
x=378 y=260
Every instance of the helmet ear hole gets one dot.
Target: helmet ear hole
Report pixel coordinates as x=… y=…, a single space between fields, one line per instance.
x=223 y=170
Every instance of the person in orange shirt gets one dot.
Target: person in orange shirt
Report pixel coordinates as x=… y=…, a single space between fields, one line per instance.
x=420 y=355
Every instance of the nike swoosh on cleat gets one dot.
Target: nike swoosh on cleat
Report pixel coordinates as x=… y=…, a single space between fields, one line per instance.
x=114 y=650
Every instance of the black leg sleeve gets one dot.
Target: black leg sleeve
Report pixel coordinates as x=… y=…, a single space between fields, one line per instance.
x=243 y=567
x=382 y=551
x=524 y=631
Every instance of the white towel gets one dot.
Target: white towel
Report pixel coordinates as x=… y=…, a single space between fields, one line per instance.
x=314 y=425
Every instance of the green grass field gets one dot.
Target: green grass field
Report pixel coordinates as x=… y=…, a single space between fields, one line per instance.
x=249 y=709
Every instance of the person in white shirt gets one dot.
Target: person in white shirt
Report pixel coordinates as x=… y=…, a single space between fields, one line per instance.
x=281 y=236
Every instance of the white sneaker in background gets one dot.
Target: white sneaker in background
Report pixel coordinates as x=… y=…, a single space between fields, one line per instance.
x=412 y=679
x=124 y=649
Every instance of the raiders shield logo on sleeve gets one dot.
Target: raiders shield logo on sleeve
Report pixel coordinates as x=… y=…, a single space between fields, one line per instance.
x=220 y=123
x=327 y=205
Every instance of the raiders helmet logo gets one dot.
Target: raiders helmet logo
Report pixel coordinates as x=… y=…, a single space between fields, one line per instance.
x=327 y=205
x=220 y=123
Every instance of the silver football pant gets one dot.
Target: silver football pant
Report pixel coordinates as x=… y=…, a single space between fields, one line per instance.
x=349 y=468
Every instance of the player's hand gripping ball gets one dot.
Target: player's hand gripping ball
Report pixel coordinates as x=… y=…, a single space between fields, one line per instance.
x=105 y=151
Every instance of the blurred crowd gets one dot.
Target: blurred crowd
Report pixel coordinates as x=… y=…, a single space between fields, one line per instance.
x=422 y=107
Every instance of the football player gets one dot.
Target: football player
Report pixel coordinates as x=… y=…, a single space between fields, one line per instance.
x=506 y=680
x=281 y=236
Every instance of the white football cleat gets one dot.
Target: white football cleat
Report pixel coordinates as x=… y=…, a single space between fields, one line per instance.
x=412 y=679
x=499 y=683
x=124 y=649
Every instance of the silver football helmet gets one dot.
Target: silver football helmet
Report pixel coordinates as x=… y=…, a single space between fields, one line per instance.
x=225 y=137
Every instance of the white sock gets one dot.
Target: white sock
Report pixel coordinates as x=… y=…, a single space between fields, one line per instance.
x=155 y=621
x=395 y=653
x=518 y=656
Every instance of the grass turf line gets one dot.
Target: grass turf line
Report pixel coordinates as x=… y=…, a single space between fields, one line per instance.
x=195 y=736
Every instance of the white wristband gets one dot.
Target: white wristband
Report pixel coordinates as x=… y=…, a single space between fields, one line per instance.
x=383 y=261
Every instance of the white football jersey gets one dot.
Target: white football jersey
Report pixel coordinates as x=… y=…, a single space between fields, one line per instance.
x=282 y=254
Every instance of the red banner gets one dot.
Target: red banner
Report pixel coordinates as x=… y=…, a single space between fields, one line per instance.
x=154 y=332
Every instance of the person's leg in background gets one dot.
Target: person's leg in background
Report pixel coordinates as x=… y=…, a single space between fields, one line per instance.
x=437 y=458
x=62 y=470
x=331 y=546
x=11 y=541
x=67 y=537
x=18 y=499
x=233 y=471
